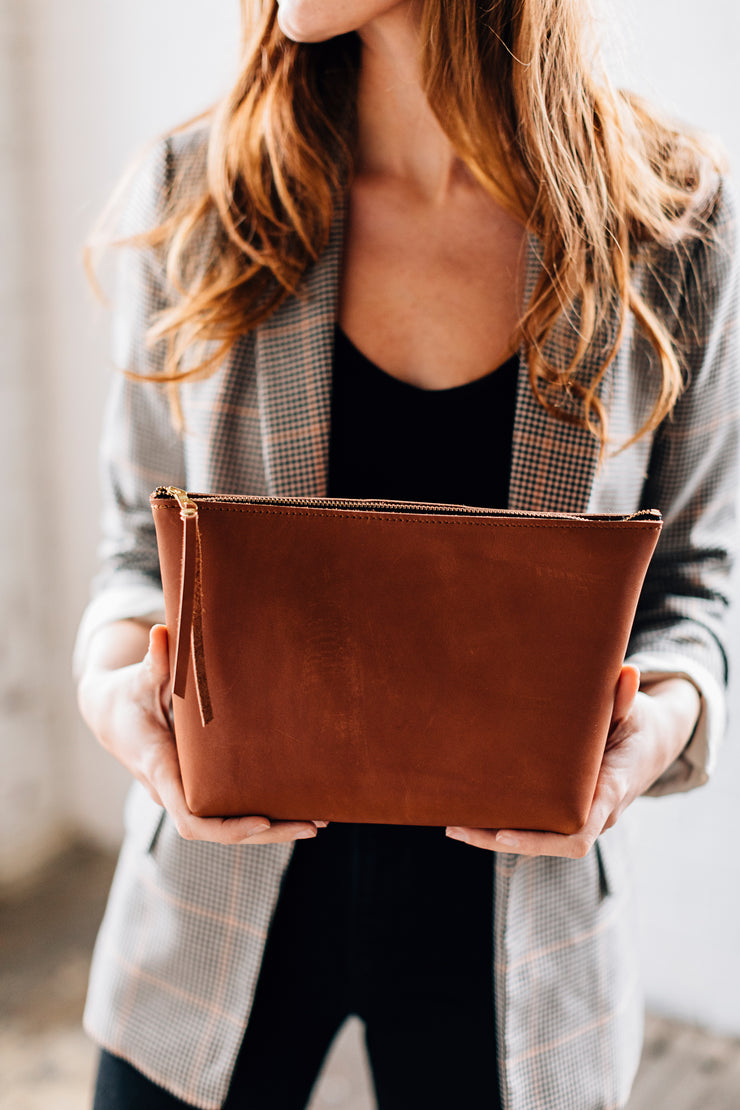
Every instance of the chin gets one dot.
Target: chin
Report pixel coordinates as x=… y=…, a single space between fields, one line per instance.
x=319 y=20
x=296 y=22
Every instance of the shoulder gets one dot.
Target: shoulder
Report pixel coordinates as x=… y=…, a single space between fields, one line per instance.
x=162 y=186
x=187 y=158
x=691 y=285
x=170 y=171
x=714 y=258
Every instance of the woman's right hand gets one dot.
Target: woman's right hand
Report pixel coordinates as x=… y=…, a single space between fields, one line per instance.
x=125 y=705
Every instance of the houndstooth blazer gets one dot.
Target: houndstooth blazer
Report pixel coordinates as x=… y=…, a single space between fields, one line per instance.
x=179 y=950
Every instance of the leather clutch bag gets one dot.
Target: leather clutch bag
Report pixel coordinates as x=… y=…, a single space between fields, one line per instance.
x=394 y=662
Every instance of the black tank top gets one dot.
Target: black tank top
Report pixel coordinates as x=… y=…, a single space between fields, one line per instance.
x=393 y=440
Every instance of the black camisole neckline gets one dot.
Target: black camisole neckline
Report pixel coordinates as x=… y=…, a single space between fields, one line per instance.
x=392 y=439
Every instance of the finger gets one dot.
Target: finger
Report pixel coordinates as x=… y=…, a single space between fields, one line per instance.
x=576 y=845
x=158 y=660
x=232 y=830
x=221 y=830
x=284 y=832
x=245 y=830
x=479 y=838
x=628 y=685
x=526 y=843
x=251 y=829
x=158 y=656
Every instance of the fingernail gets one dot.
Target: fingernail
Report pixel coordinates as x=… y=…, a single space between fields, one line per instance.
x=258 y=829
x=321 y=824
x=305 y=834
x=457 y=834
x=507 y=839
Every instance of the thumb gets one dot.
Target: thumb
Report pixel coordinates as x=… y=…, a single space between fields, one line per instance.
x=628 y=684
x=158 y=655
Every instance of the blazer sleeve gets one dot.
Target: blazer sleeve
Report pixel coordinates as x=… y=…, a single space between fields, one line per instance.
x=140 y=447
x=681 y=624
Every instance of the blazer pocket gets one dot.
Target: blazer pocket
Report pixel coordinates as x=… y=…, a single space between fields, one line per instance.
x=605 y=886
x=611 y=863
x=154 y=837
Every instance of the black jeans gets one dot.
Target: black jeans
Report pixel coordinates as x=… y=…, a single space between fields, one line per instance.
x=392 y=924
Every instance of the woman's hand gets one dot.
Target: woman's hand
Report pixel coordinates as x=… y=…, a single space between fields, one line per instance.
x=124 y=704
x=649 y=728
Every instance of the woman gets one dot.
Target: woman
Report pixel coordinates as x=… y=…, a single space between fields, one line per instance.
x=421 y=250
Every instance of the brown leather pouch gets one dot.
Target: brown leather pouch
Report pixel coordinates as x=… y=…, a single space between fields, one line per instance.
x=395 y=662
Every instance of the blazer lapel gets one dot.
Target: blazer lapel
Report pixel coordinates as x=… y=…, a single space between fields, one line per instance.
x=553 y=464
x=293 y=354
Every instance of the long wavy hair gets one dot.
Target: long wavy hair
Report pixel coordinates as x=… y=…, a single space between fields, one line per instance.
x=594 y=172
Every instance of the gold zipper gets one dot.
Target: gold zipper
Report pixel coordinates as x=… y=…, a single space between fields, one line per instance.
x=189 y=508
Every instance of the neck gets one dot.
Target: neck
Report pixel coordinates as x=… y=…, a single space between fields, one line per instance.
x=399 y=135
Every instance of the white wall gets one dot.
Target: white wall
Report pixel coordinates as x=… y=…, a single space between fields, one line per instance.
x=29 y=809
x=108 y=76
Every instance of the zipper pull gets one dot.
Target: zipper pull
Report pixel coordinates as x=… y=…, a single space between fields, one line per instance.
x=187 y=505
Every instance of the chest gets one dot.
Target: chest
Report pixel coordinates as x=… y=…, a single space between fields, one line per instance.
x=275 y=398
x=431 y=292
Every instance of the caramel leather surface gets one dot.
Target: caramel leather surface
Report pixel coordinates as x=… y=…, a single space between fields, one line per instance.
x=399 y=667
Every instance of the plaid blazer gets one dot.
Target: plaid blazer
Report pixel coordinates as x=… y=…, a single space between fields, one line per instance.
x=180 y=947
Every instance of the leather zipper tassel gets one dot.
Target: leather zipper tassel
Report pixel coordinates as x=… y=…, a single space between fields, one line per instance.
x=196 y=636
x=190 y=625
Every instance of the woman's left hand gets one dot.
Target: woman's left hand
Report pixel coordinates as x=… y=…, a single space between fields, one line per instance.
x=649 y=728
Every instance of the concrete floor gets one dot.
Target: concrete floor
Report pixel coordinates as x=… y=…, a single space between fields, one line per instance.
x=46 y=933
